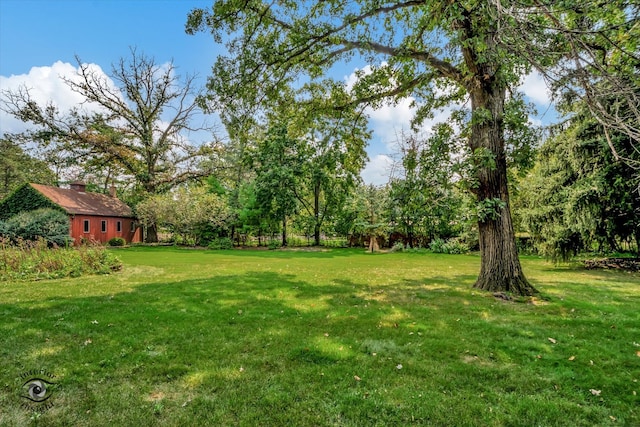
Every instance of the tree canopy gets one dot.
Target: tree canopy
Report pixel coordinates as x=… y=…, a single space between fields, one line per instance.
x=144 y=110
x=18 y=167
x=470 y=53
x=579 y=196
x=437 y=53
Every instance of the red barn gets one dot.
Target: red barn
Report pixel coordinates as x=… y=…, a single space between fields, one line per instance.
x=93 y=216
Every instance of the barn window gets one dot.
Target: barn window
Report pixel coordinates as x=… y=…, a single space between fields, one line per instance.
x=104 y=226
x=86 y=225
x=119 y=226
x=133 y=226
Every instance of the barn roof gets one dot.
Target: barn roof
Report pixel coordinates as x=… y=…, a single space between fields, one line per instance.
x=81 y=203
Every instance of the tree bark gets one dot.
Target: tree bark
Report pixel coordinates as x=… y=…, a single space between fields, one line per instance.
x=316 y=234
x=152 y=234
x=500 y=269
x=316 y=214
x=284 y=230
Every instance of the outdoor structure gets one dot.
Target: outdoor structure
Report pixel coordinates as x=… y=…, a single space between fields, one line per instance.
x=92 y=216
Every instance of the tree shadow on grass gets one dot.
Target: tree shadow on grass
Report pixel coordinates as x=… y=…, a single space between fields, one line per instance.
x=193 y=335
x=260 y=347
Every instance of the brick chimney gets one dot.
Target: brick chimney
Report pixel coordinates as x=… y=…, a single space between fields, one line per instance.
x=112 y=192
x=78 y=186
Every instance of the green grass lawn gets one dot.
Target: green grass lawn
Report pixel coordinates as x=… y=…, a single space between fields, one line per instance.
x=187 y=337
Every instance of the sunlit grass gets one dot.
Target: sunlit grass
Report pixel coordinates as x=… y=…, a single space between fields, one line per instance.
x=322 y=338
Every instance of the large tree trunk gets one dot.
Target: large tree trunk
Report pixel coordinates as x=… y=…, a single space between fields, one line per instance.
x=152 y=234
x=500 y=269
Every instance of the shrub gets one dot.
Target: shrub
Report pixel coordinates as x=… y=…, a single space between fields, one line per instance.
x=454 y=246
x=48 y=224
x=117 y=241
x=220 y=243
x=451 y=246
x=274 y=245
x=34 y=260
x=437 y=246
x=336 y=242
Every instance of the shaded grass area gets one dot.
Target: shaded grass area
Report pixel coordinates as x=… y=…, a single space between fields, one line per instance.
x=336 y=337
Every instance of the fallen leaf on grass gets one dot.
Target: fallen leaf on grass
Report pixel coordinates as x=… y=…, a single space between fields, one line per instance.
x=612 y=417
x=357 y=378
x=156 y=396
x=572 y=358
x=552 y=341
x=595 y=392
x=399 y=366
x=638 y=353
x=88 y=341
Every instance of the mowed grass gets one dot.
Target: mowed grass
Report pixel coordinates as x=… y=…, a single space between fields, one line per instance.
x=344 y=338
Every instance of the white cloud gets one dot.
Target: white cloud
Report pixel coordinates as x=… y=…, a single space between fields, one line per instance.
x=390 y=120
x=45 y=84
x=377 y=170
x=535 y=88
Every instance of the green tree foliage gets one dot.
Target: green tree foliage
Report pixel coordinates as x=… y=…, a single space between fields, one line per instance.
x=145 y=110
x=250 y=217
x=424 y=204
x=588 y=50
x=17 y=168
x=185 y=212
x=48 y=224
x=436 y=52
x=578 y=196
x=279 y=172
x=365 y=215
x=333 y=145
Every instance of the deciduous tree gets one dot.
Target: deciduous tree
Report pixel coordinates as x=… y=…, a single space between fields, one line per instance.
x=184 y=211
x=145 y=112
x=436 y=52
x=278 y=174
x=422 y=187
x=17 y=167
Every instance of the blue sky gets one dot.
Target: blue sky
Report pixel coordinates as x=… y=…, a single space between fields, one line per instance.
x=41 y=32
x=40 y=38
